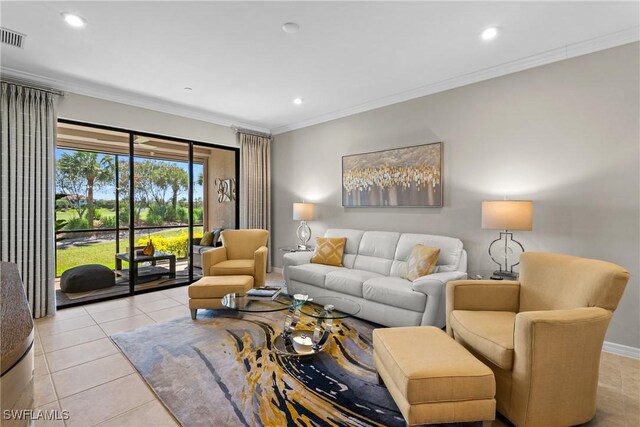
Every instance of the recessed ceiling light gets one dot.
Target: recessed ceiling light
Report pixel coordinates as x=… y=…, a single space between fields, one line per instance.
x=489 y=33
x=290 y=28
x=298 y=101
x=74 y=20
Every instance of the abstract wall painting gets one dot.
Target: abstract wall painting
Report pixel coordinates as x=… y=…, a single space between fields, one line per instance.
x=400 y=177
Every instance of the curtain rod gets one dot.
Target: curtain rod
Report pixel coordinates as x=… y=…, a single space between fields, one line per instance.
x=251 y=132
x=30 y=85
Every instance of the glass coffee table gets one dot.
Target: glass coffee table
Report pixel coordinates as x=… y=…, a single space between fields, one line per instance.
x=293 y=342
x=254 y=304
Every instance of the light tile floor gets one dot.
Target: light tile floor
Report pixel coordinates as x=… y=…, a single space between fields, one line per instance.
x=79 y=369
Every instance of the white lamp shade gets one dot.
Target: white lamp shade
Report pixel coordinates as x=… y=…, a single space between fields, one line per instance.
x=304 y=211
x=507 y=214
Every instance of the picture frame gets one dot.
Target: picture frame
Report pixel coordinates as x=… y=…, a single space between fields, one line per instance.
x=397 y=177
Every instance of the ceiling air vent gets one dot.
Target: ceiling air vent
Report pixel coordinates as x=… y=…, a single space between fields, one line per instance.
x=12 y=38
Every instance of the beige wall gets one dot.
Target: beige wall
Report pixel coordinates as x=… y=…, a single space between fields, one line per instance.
x=565 y=135
x=221 y=164
x=108 y=113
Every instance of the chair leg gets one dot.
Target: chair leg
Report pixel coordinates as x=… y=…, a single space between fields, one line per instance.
x=194 y=312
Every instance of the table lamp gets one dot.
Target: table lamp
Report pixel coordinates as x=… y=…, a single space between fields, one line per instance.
x=506 y=215
x=303 y=212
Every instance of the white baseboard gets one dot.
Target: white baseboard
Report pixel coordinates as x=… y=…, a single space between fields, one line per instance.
x=621 y=350
x=276 y=269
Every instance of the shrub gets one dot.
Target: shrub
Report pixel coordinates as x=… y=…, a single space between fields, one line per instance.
x=109 y=222
x=77 y=224
x=197 y=216
x=153 y=219
x=105 y=204
x=124 y=215
x=97 y=215
x=159 y=213
x=176 y=245
x=182 y=215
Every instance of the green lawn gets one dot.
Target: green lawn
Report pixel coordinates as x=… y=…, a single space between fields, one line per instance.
x=102 y=253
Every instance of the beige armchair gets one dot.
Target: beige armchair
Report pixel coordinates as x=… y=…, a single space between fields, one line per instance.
x=542 y=335
x=243 y=252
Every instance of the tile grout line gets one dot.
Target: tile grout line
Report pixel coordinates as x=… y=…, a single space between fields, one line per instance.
x=97 y=385
x=155 y=398
x=84 y=363
x=70 y=330
x=65 y=348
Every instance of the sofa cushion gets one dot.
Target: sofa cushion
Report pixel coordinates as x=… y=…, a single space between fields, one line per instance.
x=329 y=251
x=372 y=263
x=379 y=244
x=233 y=267
x=394 y=291
x=312 y=274
x=450 y=248
x=489 y=333
x=348 y=281
x=353 y=238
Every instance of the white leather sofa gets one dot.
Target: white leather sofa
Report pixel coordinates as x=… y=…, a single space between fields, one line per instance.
x=371 y=276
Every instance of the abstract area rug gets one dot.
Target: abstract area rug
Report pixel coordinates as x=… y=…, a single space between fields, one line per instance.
x=221 y=370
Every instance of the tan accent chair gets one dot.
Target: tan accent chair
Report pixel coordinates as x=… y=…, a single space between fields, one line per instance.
x=542 y=335
x=243 y=252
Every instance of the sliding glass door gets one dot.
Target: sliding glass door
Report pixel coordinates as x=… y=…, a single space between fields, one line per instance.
x=135 y=204
x=162 y=201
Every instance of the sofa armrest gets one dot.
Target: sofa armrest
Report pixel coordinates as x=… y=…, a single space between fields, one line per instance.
x=560 y=327
x=482 y=295
x=294 y=258
x=555 y=350
x=433 y=286
x=211 y=258
x=260 y=266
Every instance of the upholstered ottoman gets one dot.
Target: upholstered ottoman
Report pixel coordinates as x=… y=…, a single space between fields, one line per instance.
x=88 y=277
x=208 y=291
x=432 y=378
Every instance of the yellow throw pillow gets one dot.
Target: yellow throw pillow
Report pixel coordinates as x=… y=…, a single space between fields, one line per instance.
x=421 y=262
x=207 y=239
x=329 y=251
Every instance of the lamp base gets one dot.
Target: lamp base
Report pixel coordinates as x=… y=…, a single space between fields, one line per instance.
x=505 y=274
x=505 y=251
x=304 y=234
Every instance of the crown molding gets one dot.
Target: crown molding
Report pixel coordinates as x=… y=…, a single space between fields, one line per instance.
x=107 y=93
x=100 y=91
x=565 y=52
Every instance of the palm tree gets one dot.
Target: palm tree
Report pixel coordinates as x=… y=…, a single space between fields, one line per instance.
x=87 y=166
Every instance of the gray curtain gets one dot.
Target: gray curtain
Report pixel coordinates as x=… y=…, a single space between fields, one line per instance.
x=28 y=122
x=255 y=184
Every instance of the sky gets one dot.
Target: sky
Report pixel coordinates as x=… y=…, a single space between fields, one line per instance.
x=108 y=192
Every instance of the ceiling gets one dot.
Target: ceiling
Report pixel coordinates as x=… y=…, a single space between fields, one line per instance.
x=347 y=57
